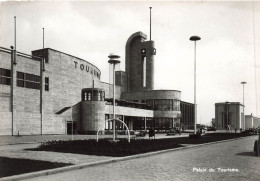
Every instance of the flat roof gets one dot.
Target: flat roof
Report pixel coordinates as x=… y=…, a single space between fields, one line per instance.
x=68 y=55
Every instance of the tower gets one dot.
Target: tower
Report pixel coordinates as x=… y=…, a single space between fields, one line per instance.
x=139 y=62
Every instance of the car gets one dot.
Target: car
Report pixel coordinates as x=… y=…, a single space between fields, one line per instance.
x=211 y=129
x=250 y=131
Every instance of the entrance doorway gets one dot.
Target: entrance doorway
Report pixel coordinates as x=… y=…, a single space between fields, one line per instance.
x=69 y=127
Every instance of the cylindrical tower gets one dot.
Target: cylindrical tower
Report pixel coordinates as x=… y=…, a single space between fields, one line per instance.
x=92 y=111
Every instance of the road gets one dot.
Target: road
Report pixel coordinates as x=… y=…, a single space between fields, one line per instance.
x=235 y=158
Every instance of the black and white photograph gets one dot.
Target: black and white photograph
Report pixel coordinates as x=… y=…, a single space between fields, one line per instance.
x=129 y=90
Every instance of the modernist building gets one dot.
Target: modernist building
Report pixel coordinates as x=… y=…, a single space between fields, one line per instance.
x=252 y=122
x=229 y=114
x=49 y=92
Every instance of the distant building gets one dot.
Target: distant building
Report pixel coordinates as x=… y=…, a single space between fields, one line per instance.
x=252 y=122
x=229 y=114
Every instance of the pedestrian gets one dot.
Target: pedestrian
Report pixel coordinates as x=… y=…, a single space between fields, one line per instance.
x=228 y=127
x=235 y=130
x=151 y=133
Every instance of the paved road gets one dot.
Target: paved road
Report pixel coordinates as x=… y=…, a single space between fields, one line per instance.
x=177 y=165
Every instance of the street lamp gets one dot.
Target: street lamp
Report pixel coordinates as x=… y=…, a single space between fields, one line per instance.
x=113 y=59
x=195 y=38
x=243 y=83
x=227 y=111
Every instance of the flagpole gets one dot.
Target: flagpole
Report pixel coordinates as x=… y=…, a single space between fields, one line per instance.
x=43 y=38
x=150 y=23
x=15 y=33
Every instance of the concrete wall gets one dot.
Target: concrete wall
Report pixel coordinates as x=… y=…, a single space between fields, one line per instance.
x=256 y=122
x=67 y=76
x=249 y=122
x=109 y=90
x=92 y=117
x=252 y=122
x=5 y=98
x=134 y=62
x=235 y=115
x=26 y=102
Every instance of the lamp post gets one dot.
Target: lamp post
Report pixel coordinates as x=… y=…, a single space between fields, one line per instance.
x=113 y=59
x=243 y=83
x=195 y=38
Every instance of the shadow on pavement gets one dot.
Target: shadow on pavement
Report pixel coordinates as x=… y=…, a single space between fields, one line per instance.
x=246 y=154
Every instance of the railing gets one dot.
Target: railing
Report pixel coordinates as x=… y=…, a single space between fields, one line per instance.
x=114 y=123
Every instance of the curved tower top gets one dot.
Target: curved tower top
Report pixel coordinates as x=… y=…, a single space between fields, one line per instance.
x=139 y=64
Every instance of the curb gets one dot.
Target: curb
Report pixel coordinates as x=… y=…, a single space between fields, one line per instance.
x=84 y=165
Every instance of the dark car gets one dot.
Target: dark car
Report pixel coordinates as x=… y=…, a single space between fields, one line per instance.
x=211 y=129
x=250 y=131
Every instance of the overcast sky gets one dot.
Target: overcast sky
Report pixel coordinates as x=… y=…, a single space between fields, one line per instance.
x=92 y=30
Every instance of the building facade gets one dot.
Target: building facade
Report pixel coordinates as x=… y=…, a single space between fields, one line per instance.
x=252 y=122
x=229 y=114
x=51 y=92
x=187 y=115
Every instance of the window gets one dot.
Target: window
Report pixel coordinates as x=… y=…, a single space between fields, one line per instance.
x=144 y=71
x=28 y=80
x=163 y=104
x=85 y=96
x=47 y=83
x=177 y=105
x=163 y=123
x=99 y=96
x=149 y=102
x=5 y=76
x=89 y=96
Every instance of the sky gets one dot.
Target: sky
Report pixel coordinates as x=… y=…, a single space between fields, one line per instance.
x=227 y=54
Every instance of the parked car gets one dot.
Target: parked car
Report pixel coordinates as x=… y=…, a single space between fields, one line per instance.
x=250 y=131
x=211 y=129
x=140 y=133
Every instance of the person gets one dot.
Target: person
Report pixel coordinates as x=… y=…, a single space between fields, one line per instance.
x=240 y=130
x=151 y=133
x=228 y=128
x=235 y=130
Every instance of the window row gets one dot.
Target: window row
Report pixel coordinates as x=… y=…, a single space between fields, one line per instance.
x=27 y=84
x=93 y=95
x=163 y=104
x=28 y=80
x=28 y=77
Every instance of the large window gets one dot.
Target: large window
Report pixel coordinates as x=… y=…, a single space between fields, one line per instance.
x=28 y=80
x=177 y=105
x=163 y=123
x=5 y=76
x=163 y=104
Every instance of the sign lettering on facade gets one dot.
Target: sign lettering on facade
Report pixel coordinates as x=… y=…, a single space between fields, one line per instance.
x=86 y=68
